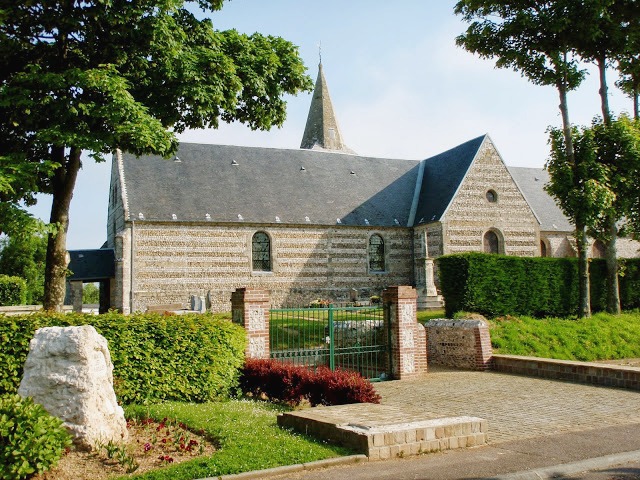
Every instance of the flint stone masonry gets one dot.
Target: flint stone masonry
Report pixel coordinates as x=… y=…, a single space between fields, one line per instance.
x=459 y=343
x=172 y=261
x=250 y=309
x=408 y=337
x=469 y=215
x=383 y=431
x=69 y=372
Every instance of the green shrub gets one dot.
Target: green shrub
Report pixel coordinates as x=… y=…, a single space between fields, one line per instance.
x=192 y=358
x=31 y=440
x=496 y=285
x=13 y=290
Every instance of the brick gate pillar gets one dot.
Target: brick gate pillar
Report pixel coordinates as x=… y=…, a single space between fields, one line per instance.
x=408 y=337
x=250 y=308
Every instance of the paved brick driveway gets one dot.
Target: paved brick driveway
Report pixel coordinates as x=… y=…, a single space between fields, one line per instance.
x=516 y=407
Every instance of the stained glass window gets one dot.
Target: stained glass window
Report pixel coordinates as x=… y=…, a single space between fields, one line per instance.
x=261 y=252
x=376 y=253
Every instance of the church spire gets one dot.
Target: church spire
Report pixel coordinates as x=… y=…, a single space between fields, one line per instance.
x=322 y=131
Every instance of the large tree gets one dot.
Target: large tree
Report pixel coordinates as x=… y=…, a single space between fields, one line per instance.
x=96 y=75
x=536 y=39
x=606 y=29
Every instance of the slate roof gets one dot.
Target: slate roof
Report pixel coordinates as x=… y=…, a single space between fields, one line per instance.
x=443 y=175
x=92 y=265
x=531 y=182
x=260 y=184
x=322 y=130
x=266 y=185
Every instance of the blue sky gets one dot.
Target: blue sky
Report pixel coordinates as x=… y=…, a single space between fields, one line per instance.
x=399 y=85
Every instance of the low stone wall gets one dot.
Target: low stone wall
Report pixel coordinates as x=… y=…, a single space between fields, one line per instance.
x=581 y=372
x=27 y=309
x=382 y=432
x=459 y=343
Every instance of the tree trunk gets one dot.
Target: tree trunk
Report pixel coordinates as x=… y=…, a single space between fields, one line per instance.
x=636 y=93
x=63 y=183
x=604 y=90
x=611 y=253
x=613 y=289
x=584 y=299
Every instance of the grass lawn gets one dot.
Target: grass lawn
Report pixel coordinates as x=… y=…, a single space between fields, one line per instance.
x=425 y=315
x=247 y=433
x=601 y=337
x=307 y=327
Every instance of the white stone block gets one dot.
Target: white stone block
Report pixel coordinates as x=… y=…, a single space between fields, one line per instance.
x=69 y=372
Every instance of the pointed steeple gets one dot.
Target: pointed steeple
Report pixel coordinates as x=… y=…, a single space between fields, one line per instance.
x=322 y=131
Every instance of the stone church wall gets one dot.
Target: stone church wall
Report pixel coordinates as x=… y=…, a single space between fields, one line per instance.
x=471 y=215
x=172 y=262
x=558 y=244
x=116 y=211
x=628 y=248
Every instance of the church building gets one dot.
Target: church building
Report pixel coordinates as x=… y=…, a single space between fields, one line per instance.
x=319 y=222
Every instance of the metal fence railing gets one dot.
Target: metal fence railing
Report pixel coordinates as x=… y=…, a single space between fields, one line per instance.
x=347 y=337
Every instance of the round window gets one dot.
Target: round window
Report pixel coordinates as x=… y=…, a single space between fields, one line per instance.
x=492 y=196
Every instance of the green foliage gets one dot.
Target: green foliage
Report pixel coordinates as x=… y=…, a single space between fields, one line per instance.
x=532 y=38
x=191 y=358
x=13 y=290
x=127 y=75
x=249 y=438
x=495 y=285
x=90 y=293
x=579 y=185
x=31 y=440
x=24 y=256
x=600 y=337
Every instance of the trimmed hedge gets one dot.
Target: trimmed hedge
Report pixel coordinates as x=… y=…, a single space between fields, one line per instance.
x=291 y=384
x=13 y=291
x=191 y=358
x=495 y=285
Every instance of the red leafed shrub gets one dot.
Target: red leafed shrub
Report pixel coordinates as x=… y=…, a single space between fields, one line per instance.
x=284 y=382
x=339 y=387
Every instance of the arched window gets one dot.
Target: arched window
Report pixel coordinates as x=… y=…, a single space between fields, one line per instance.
x=376 y=253
x=492 y=196
x=261 y=252
x=543 y=249
x=491 y=242
x=597 y=249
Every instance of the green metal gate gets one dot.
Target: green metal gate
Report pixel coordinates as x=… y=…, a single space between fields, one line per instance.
x=347 y=337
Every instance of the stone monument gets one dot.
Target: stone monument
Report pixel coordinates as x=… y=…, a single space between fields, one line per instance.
x=69 y=372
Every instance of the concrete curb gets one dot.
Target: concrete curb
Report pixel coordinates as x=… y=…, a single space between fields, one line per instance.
x=298 y=467
x=555 y=471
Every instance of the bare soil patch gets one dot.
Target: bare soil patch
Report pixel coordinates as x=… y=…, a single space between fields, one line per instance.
x=151 y=445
